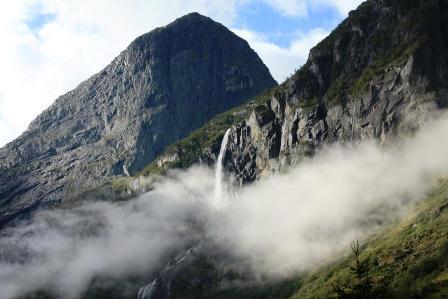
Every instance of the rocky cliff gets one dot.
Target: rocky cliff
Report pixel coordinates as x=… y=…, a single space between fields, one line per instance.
x=163 y=86
x=377 y=74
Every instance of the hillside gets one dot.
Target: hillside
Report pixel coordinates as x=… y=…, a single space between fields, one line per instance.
x=409 y=260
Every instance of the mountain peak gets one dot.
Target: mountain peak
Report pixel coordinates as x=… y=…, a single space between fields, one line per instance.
x=188 y=30
x=165 y=85
x=194 y=16
x=193 y=19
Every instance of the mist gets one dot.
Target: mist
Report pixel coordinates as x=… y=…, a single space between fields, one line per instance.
x=280 y=226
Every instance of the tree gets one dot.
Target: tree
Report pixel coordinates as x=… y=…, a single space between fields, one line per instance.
x=360 y=286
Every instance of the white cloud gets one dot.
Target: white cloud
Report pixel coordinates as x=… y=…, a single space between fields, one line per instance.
x=283 y=61
x=289 y=7
x=343 y=6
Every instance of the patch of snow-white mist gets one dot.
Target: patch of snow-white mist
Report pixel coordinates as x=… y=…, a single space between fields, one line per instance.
x=220 y=195
x=279 y=226
x=64 y=250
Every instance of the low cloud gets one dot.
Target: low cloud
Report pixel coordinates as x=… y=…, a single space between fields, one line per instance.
x=285 y=224
x=292 y=222
x=63 y=251
x=290 y=8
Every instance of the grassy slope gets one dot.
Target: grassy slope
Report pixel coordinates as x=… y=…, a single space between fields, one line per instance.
x=410 y=260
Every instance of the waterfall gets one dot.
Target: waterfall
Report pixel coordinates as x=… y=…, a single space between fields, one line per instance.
x=219 y=171
x=146 y=291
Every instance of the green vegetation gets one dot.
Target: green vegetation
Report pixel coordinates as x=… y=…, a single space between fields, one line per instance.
x=360 y=285
x=189 y=149
x=395 y=57
x=335 y=94
x=410 y=260
x=120 y=185
x=284 y=289
x=309 y=104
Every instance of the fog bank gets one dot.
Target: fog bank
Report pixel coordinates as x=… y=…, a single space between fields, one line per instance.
x=281 y=225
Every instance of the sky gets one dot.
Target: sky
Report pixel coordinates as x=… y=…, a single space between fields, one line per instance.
x=50 y=46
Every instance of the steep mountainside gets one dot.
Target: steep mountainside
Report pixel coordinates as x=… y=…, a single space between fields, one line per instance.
x=166 y=84
x=377 y=74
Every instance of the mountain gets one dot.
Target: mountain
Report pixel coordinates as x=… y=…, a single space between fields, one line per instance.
x=166 y=84
x=376 y=75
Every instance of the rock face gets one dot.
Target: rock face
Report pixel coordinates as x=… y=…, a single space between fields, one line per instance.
x=163 y=86
x=375 y=76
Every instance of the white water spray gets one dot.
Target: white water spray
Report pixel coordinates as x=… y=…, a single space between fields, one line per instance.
x=146 y=291
x=218 y=175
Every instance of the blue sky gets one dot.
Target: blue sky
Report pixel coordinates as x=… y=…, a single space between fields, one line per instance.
x=54 y=45
x=36 y=18
x=281 y=29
